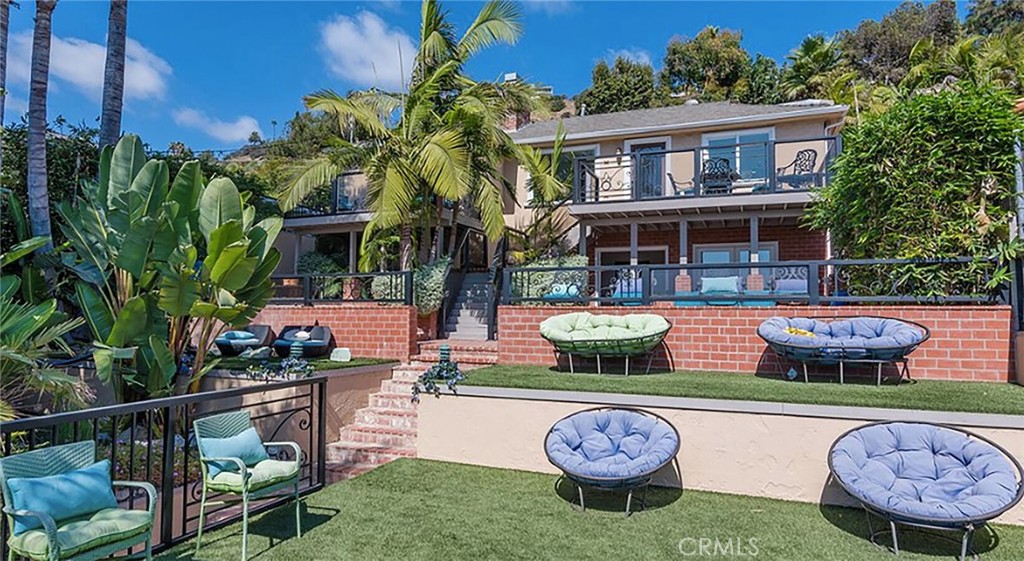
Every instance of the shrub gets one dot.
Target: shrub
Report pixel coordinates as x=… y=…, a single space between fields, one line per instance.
x=313 y=262
x=428 y=286
x=932 y=177
x=537 y=284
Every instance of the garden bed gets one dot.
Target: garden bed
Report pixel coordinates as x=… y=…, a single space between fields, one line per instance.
x=928 y=395
x=239 y=364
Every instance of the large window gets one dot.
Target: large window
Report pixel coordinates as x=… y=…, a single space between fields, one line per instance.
x=731 y=257
x=564 y=165
x=746 y=151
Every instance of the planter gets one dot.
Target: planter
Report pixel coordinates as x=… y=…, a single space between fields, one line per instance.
x=426 y=327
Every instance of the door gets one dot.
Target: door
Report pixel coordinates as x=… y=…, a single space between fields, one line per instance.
x=650 y=169
x=730 y=258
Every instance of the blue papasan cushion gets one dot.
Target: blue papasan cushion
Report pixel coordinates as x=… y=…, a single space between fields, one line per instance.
x=852 y=338
x=922 y=472
x=617 y=444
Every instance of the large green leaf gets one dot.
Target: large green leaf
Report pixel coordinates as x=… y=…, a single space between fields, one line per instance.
x=9 y=286
x=134 y=251
x=85 y=227
x=225 y=235
x=179 y=290
x=106 y=155
x=161 y=379
x=233 y=269
x=263 y=235
x=130 y=323
x=95 y=310
x=104 y=361
x=33 y=284
x=126 y=163
x=148 y=190
x=185 y=191
x=22 y=249
x=16 y=212
x=219 y=203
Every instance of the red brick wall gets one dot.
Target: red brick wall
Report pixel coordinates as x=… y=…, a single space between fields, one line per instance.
x=967 y=342
x=795 y=243
x=370 y=330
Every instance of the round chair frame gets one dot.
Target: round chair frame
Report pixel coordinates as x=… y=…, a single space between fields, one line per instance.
x=967 y=525
x=612 y=484
x=586 y=348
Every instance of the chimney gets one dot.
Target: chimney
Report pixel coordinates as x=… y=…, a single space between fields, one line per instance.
x=514 y=121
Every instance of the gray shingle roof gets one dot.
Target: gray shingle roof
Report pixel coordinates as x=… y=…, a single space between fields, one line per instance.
x=673 y=116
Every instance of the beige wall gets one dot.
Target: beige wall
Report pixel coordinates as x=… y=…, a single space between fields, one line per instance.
x=775 y=456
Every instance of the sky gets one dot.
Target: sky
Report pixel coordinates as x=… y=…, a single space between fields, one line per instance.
x=210 y=73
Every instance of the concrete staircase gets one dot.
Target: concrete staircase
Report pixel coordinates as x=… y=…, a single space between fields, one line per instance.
x=468 y=318
x=382 y=432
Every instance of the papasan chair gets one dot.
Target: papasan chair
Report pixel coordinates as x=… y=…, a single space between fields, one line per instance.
x=929 y=476
x=611 y=449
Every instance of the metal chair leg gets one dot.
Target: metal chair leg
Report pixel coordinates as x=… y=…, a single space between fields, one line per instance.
x=841 y=382
x=650 y=357
x=627 y=365
x=149 y=550
x=245 y=524
x=572 y=370
x=879 y=384
x=966 y=542
x=583 y=507
x=895 y=540
x=805 y=372
x=298 y=512
x=202 y=519
x=629 y=501
x=599 y=364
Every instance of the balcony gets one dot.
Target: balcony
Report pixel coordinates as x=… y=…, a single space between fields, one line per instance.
x=347 y=195
x=716 y=170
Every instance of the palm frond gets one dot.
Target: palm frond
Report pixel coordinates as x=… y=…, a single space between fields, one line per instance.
x=443 y=161
x=497 y=22
x=365 y=115
x=304 y=177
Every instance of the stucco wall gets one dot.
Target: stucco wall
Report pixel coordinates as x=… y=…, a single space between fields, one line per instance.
x=776 y=456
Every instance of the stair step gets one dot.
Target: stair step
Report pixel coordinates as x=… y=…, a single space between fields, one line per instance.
x=397 y=387
x=408 y=376
x=346 y=452
x=340 y=472
x=399 y=438
x=396 y=418
x=462 y=357
x=402 y=401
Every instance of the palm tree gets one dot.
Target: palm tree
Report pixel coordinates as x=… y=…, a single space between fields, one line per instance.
x=812 y=67
x=38 y=197
x=113 y=74
x=5 y=22
x=441 y=140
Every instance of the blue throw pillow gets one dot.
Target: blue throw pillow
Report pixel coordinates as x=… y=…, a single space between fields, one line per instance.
x=234 y=335
x=245 y=446
x=71 y=494
x=719 y=284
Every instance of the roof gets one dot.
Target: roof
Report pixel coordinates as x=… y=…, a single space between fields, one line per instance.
x=668 y=118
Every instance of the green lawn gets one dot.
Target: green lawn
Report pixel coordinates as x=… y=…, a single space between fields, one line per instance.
x=240 y=364
x=979 y=397
x=418 y=509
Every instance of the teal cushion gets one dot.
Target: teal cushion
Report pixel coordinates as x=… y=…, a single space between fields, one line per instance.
x=245 y=446
x=233 y=335
x=70 y=494
x=720 y=284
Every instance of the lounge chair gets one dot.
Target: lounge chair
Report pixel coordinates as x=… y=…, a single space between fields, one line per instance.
x=587 y=335
x=60 y=504
x=233 y=343
x=926 y=476
x=612 y=449
x=316 y=343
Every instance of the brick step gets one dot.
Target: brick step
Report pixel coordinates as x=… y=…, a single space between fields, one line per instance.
x=345 y=452
x=461 y=357
x=409 y=374
x=398 y=400
x=403 y=387
x=396 y=418
x=385 y=436
x=340 y=472
x=456 y=344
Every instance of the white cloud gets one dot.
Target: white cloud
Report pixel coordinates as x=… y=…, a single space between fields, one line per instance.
x=80 y=63
x=14 y=107
x=225 y=131
x=366 y=51
x=633 y=53
x=550 y=7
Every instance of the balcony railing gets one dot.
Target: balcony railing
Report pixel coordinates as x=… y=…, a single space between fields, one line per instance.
x=705 y=171
x=389 y=287
x=828 y=282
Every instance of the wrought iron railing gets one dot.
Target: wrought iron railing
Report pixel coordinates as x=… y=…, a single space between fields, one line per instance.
x=863 y=281
x=762 y=167
x=388 y=287
x=154 y=441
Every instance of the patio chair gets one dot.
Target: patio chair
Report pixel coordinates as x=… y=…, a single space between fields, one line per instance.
x=235 y=462
x=799 y=174
x=233 y=343
x=60 y=505
x=316 y=343
x=717 y=176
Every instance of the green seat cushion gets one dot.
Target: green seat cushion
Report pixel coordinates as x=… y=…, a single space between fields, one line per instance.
x=264 y=474
x=603 y=332
x=75 y=536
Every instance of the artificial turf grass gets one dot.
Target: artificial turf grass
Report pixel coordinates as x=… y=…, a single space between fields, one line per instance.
x=977 y=397
x=420 y=509
x=239 y=364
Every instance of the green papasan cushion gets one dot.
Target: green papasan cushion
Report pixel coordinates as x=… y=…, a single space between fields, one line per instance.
x=586 y=331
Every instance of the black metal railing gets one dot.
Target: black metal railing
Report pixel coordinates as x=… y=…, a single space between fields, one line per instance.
x=834 y=282
x=761 y=167
x=388 y=287
x=154 y=441
x=345 y=196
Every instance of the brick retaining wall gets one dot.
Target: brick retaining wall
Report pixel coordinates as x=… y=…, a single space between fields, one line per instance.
x=370 y=330
x=967 y=342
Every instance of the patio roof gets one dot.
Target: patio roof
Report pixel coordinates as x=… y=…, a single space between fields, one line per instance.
x=642 y=121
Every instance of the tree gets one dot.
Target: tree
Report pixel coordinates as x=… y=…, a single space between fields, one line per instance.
x=38 y=195
x=981 y=60
x=625 y=86
x=113 y=74
x=5 y=23
x=991 y=17
x=764 y=82
x=441 y=141
x=880 y=50
x=813 y=68
x=254 y=138
x=712 y=66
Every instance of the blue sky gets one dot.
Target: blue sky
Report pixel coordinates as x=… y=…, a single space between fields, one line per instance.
x=209 y=73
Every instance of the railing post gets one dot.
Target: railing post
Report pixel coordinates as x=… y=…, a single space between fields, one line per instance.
x=408 y=288
x=321 y=427
x=307 y=290
x=697 y=170
x=506 y=287
x=772 y=175
x=645 y=285
x=576 y=180
x=634 y=172
x=166 y=481
x=813 y=283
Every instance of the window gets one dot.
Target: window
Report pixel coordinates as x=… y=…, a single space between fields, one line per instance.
x=564 y=166
x=727 y=254
x=746 y=151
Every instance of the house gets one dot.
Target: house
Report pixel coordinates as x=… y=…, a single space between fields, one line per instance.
x=699 y=183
